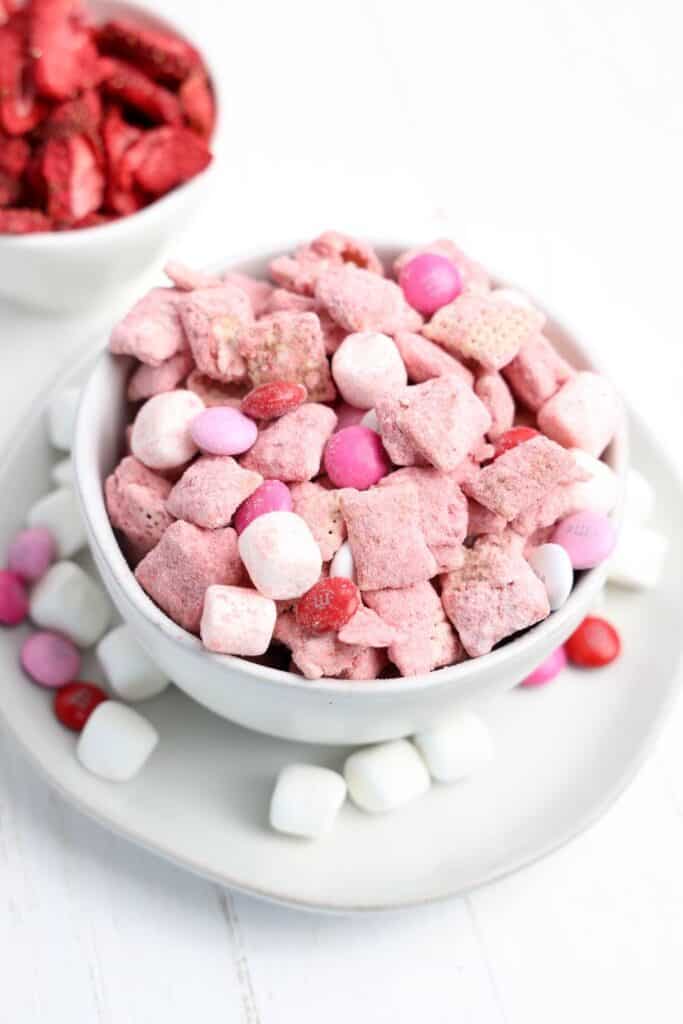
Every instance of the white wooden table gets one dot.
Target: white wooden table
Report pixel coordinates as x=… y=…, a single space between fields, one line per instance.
x=546 y=139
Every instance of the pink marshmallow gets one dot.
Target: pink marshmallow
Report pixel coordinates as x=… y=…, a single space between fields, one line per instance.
x=238 y=621
x=366 y=366
x=161 y=437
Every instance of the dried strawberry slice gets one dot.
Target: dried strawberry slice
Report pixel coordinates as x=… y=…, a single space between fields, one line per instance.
x=75 y=183
x=20 y=112
x=66 y=58
x=10 y=189
x=167 y=158
x=123 y=82
x=80 y=116
x=118 y=136
x=7 y=9
x=94 y=220
x=14 y=155
x=159 y=54
x=23 y=222
x=196 y=102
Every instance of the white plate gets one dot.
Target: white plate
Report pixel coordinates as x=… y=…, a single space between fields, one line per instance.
x=564 y=753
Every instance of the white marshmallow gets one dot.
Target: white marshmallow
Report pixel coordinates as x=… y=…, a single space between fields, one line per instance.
x=59 y=511
x=306 y=800
x=61 y=418
x=456 y=747
x=342 y=563
x=63 y=473
x=385 y=776
x=280 y=554
x=638 y=557
x=131 y=674
x=553 y=566
x=115 y=742
x=370 y=420
x=68 y=601
x=161 y=432
x=601 y=491
x=514 y=297
x=367 y=365
x=639 y=503
x=236 y=620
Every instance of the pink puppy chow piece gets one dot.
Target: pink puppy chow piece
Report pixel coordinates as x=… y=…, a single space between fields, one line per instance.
x=442 y=420
x=213 y=393
x=482 y=521
x=520 y=476
x=583 y=414
x=536 y=372
x=473 y=276
x=496 y=593
x=321 y=509
x=189 y=280
x=136 y=503
x=300 y=272
x=282 y=301
x=359 y=300
x=495 y=394
x=426 y=639
x=258 y=292
x=151 y=331
x=318 y=655
x=153 y=380
x=424 y=360
x=291 y=447
x=236 y=620
x=187 y=560
x=214 y=319
x=443 y=511
x=556 y=503
x=386 y=539
x=491 y=331
x=288 y=346
x=367 y=629
x=210 y=490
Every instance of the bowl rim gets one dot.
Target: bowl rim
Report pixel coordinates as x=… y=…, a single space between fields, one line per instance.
x=158 y=208
x=107 y=549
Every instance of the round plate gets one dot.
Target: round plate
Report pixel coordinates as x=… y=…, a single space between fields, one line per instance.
x=564 y=752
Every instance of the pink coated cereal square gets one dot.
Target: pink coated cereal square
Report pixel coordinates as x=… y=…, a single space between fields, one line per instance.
x=359 y=300
x=495 y=594
x=257 y=291
x=367 y=629
x=187 y=560
x=136 y=503
x=482 y=521
x=584 y=413
x=488 y=330
x=321 y=509
x=368 y=664
x=536 y=372
x=151 y=331
x=300 y=271
x=473 y=276
x=443 y=511
x=520 y=476
x=425 y=360
x=291 y=448
x=213 y=392
x=388 y=546
x=556 y=503
x=495 y=394
x=214 y=319
x=425 y=639
x=288 y=346
x=283 y=301
x=316 y=655
x=237 y=620
x=148 y=381
x=210 y=490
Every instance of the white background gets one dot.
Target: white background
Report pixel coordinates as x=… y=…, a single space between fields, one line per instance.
x=545 y=138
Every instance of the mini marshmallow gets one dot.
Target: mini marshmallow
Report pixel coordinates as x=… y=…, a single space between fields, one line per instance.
x=306 y=800
x=639 y=503
x=553 y=566
x=236 y=620
x=63 y=473
x=638 y=557
x=600 y=491
x=116 y=742
x=129 y=671
x=367 y=365
x=61 y=418
x=68 y=601
x=161 y=436
x=456 y=747
x=281 y=555
x=59 y=511
x=385 y=776
x=342 y=564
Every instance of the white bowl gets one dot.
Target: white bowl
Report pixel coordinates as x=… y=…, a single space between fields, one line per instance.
x=281 y=703
x=63 y=271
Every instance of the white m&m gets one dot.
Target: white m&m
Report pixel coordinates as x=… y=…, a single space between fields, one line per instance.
x=553 y=566
x=367 y=365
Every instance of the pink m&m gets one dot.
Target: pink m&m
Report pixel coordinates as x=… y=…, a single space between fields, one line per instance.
x=429 y=282
x=50 y=659
x=588 y=538
x=271 y=496
x=222 y=430
x=13 y=599
x=355 y=457
x=548 y=669
x=31 y=553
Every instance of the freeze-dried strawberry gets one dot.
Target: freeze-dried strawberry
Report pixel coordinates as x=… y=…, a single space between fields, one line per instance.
x=10 y=189
x=118 y=137
x=7 y=9
x=196 y=101
x=80 y=116
x=124 y=82
x=20 y=111
x=65 y=56
x=75 y=184
x=159 y=54
x=94 y=220
x=170 y=157
x=14 y=155
x=23 y=222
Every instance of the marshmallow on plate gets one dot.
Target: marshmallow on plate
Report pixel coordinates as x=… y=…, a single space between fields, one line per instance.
x=280 y=554
x=61 y=418
x=161 y=436
x=115 y=742
x=639 y=501
x=306 y=800
x=638 y=557
x=385 y=776
x=60 y=513
x=130 y=672
x=366 y=365
x=456 y=747
x=236 y=620
x=68 y=601
x=63 y=473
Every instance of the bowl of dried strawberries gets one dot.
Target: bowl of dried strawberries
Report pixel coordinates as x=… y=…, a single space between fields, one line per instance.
x=108 y=117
